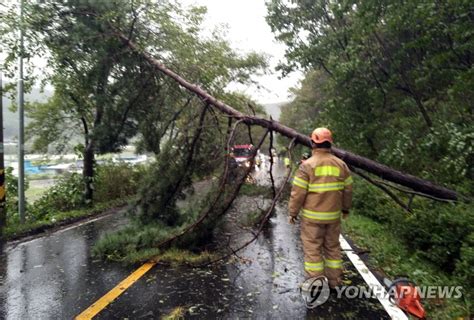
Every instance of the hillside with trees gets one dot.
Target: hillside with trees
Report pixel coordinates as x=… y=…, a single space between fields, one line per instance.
x=395 y=82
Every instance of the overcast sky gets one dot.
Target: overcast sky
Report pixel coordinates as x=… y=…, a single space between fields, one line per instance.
x=247 y=31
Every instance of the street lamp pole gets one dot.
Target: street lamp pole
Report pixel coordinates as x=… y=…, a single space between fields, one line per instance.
x=21 y=132
x=3 y=209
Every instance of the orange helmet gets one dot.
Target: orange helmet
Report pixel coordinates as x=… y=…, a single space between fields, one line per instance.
x=320 y=135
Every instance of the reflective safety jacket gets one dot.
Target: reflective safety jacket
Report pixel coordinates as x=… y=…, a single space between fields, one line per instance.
x=322 y=188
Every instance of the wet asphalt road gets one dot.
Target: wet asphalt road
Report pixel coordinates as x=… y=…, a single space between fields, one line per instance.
x=54 y=277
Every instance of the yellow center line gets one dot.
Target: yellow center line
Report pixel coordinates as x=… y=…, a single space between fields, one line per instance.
x=110 y=296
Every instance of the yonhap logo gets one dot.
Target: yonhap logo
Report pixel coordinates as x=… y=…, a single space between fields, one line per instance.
x=315 y=291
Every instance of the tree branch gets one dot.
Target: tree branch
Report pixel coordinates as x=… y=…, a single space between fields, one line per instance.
x=249 y=132
x=270 y=149
x=223 y=181
x=384 y=189
x=350 y=158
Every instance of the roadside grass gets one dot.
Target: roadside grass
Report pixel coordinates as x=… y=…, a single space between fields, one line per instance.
x=34 y=193
x=172 y=256
x=176 y=257
x=253 y=190
x=42 y=176
x=137 y=243
x=389 y=253
x=252 y=218
x=16 y=230
x=140 y=239
x=177 y=313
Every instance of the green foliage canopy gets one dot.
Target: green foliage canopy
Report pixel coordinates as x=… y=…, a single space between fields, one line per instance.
x=394 y=79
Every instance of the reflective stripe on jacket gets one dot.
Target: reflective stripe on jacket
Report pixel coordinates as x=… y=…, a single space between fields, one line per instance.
x=322 y=188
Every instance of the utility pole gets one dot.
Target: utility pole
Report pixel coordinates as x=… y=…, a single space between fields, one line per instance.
x=3 y=211
x=21 y=132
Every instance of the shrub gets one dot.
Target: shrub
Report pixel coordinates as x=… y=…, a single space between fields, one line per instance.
x=373 y=203
x=65 y=195
x=115 y=181
x=438 y=232
x=465 y=263
x=389 y=251
x=11 y=189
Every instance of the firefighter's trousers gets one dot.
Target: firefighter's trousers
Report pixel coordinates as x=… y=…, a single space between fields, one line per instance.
x=322 y=251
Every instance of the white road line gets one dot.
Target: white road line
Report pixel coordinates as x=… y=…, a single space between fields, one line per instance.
x=393 y=311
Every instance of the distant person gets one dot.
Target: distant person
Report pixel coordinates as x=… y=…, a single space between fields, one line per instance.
x=322 y=190
x=287 y=162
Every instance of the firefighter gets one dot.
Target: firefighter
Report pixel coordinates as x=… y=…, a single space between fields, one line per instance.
x=322 y=191
x=286 y=161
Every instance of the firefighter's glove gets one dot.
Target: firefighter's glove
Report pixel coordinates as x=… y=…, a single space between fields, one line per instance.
x=292 y=220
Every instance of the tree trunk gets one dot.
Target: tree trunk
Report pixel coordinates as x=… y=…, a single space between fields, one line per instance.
x=88 y=172
x=368 y=165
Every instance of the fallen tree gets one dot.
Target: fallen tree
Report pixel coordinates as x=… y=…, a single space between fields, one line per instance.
x=417 y=184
